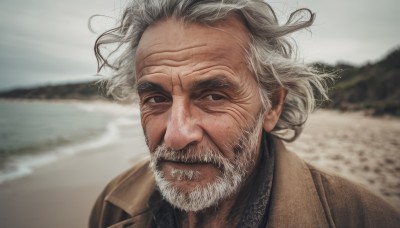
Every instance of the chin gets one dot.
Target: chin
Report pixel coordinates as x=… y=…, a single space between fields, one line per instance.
x=195 y=194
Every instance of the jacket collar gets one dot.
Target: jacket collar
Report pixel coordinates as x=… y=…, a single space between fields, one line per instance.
x=295 y=200
x=133 y=193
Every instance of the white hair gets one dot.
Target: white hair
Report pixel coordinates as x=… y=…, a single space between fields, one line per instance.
x=270 y=55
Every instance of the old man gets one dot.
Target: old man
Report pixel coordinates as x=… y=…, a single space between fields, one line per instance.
x=219 y=90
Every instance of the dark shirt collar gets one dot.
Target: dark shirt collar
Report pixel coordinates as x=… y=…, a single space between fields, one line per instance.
x=255 y=196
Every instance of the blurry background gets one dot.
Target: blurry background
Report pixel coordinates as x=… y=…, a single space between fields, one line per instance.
x=58 y=135
x=48 y=41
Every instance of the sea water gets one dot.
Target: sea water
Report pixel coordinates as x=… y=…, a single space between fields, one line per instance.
x=36 y=133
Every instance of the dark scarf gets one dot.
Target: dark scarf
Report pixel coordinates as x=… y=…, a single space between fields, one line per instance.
x=254 y=197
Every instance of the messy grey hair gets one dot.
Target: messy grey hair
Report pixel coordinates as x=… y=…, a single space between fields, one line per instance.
x=270 y=55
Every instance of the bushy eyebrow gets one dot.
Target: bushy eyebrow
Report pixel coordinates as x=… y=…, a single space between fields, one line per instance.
x=146 y=87
x=215 y=83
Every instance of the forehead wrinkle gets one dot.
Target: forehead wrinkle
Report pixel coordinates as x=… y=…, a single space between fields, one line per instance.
x=159 y=57
x=179 y=54
x=200 y=65
x=169 y=50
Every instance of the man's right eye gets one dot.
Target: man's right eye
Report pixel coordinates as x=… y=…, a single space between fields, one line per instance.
x=157 y=99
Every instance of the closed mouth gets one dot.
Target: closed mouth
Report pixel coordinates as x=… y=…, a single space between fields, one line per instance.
x=190 y=162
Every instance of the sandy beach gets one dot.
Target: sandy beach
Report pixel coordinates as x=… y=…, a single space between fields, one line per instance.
x=61 y=194
x=360 y=148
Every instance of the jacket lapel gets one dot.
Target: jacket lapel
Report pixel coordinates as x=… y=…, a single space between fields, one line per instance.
x=295 y=201
x=133 y=193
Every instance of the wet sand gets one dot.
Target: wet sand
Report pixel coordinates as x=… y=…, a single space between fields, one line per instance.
x=61 y=194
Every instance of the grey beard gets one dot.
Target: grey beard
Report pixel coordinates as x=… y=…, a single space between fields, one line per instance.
x=232 y=173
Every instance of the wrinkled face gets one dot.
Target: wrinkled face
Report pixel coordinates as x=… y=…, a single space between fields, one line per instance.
x=200 y=109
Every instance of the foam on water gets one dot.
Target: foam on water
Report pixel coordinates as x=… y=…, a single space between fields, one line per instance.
x=21 y=166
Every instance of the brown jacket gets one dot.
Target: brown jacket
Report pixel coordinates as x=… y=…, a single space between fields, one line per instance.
x=302 y=196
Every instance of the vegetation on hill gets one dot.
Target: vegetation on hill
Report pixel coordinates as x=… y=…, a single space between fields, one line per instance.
x=372 y=87
x=77 y=91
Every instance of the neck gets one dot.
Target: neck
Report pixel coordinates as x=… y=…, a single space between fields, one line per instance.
x=216 y=216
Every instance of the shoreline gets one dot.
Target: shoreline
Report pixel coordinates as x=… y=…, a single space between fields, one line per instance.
x=62 y=193
x=25 y=163
x=89 y=101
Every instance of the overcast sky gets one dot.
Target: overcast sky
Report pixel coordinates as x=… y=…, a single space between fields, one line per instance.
x=48 y=41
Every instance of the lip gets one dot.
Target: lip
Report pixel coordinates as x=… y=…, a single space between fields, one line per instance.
x=205 y=172
x=187 y=165
x=192 y=162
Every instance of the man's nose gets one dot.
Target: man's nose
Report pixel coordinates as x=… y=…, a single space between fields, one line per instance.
x=182 y=127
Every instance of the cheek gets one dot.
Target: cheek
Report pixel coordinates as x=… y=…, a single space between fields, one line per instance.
x=223 y=131
x=234 y=118
x=154 y=129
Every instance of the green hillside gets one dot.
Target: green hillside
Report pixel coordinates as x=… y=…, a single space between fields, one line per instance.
x=373 y=87
x=78 y=91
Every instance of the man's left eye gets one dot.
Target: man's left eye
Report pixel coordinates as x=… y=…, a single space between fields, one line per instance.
x=214 y=97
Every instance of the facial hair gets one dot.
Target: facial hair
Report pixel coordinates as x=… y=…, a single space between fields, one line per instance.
x=232 y=172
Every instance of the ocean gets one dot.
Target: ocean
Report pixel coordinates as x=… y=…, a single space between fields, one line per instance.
x=36 y=133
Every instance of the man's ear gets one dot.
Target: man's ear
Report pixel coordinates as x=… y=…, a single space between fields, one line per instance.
x=272 y=115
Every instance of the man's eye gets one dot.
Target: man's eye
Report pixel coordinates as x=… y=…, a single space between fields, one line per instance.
x=214 y=97
x=157 y=99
